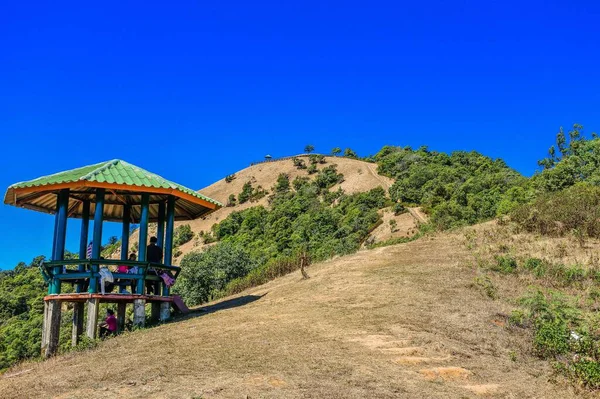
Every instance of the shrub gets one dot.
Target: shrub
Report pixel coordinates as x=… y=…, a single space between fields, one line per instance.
x=556 y=214
x=231 y=201
x=204 y=273
x=586 y=372
x=230 y=178
x=298 y=163
x=485 y=284
x=283 y=184
x=349 y=153
x=246 y=193
x=182 y=234
x=505 y=265
x=551 y=338
x=312 y=169
x=399 y=209
x=328 y=177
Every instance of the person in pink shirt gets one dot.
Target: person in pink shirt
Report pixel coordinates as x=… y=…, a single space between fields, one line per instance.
x=126 y=269
x=109 y=327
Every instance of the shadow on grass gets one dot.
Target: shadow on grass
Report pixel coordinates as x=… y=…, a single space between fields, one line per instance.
x=224 y=305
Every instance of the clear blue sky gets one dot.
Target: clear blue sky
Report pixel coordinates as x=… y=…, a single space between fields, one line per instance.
x=196 y=90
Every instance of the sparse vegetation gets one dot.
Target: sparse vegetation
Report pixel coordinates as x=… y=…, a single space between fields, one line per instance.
x=231 y=201
x=182 y=234
x=230 y=178
x=299 y=163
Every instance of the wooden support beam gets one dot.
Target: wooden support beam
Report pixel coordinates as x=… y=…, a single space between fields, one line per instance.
x=83 y=238
x=125 y=232
x=168 y=250
x=160 y=228
x=165 y=311
x=93 y=307
x=121 y=313
x=97 y=240
x=143 y=239
x=155 y=312
x=52 y=328
x=77 y=323
x=60 y=235
x=44 y=329
x=139 y=313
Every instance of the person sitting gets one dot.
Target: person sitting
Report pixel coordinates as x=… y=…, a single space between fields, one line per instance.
x=126 y=269
x=109 y=327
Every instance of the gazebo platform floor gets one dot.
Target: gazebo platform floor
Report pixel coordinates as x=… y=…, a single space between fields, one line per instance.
x=112 y=298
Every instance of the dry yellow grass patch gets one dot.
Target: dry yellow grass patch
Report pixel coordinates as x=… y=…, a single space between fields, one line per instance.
x=336 y=335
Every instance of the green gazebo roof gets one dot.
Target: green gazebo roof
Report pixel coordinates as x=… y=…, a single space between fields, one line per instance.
x=124 y=184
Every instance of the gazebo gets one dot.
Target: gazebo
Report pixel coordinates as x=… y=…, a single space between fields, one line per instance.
x=109 y=191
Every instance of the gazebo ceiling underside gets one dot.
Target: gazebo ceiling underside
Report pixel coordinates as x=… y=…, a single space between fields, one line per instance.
x=44 y=200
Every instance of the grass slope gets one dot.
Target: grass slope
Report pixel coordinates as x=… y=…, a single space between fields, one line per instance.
x=399 y=321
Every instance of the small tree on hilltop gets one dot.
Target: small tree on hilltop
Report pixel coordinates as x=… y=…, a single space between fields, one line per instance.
x=349 y=153
x=309 y=148
x=336 y=151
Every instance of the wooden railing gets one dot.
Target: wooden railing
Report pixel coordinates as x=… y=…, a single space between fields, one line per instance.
x=47 y=269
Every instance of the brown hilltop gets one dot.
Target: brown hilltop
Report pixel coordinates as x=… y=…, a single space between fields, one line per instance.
x=359 y=176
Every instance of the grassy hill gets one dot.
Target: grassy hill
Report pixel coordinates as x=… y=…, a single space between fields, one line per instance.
x=407 y=320
x=359 y=176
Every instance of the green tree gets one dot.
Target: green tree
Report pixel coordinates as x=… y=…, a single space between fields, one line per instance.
x=309 y=148
x=336 y=151
x=348 y=153
x=283 y=184
x=203 y=273
x=182 y=234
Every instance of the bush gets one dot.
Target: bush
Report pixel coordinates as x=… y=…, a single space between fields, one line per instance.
x=182 y=234
x=274 y=268
x=230 y=178
x=551 y=338
x=298 y=163
x=557 y=214
x=399 y=209
x=586 y=372
x=231 y=201
x=505 y=265
x=204 y=273
x=312 y=169
x=246 y=193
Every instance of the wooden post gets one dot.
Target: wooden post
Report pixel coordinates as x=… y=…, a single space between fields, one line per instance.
x=52 y=328
x=44 y=329
x=139 y=313
x=93 y=307
x=97 y=240
x=83 y=238
x=160 y=229
x=143 y=240
x=155 y=313
x=125 y=232
x=165 y=311
x=168 y=250
x=121 y=312
x=77 y=323
x=60 y=236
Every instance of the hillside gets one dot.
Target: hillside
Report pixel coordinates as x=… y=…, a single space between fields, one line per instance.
x=399 y=321
x=359 y=176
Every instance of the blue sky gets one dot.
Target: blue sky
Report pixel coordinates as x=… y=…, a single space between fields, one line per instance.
x=194 y=91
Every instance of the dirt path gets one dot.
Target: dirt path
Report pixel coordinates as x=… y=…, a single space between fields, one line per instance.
x=386 y=183
x=395 y=322
x=419 y=215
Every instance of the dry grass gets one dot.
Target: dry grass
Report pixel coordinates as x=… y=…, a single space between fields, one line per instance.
x=398 y=321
